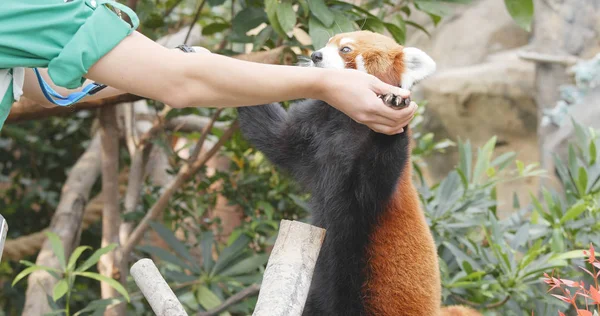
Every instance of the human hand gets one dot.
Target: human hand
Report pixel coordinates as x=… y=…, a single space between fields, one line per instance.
x=357 y=95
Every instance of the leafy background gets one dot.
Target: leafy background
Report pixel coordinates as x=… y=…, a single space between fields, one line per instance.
x=495 y=264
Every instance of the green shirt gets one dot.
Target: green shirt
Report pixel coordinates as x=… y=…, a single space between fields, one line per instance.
x=65 y=36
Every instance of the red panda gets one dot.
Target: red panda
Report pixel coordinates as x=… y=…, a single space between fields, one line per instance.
x=378 y=257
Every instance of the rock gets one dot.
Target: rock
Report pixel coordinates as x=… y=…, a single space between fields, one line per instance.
x=469 y=35
x=493 y=98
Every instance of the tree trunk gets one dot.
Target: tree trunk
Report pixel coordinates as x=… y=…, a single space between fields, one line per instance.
x=66 y=223
x=560 y=28
x=108 y=264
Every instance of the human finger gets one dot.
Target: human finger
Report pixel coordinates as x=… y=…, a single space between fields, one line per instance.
x=382 y=88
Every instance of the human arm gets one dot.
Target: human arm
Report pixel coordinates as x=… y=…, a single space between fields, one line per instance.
x=140 y=66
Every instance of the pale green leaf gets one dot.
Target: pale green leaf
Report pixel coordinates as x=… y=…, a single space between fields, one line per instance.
x=57 y=247
x=286 y=16
x=319 y=9
x=110 y=281
x=521 y=11
x=93 y=259
x=75 y=255
x=60 y=289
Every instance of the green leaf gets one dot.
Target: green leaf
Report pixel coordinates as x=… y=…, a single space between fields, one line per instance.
x=372 y=24
x=343 y=23
x=57 y=247
x=248 y=19
x=483 y=159
x=503 y=160
x=415 y=25
x=93 y=259
x=557 y=243
x=246 y=266
x=166 y=256
x=319 y=9
x=230 y=253
x=271 y=10
x=319 y=34
x=433 y=7
x=574 y=212
x=26 y=272
x=286 y=17
x=582 y=181
x=461 y=256
x=214 y=28
x=75 y=255
x=592 y=150
x=110 y=281
x=60 y=289
x=398 y=33
x=168 y=236
x=207 y=298
x=521 y=11
x=207 y=246
x=215 y=3
x=466 y=156
x=262 y=37
x=99 y=306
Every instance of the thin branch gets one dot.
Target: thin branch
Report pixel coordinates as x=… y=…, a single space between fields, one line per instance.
x=196 y=17
x=26 y=109
x=204 y=135
x=242 y=295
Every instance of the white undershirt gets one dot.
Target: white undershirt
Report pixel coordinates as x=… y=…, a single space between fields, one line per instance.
x=18 y=74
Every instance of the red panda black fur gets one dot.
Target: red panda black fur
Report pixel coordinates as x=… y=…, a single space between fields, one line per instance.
x=378 y=257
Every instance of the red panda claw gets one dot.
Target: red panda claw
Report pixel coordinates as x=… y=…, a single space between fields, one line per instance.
x=395 y=101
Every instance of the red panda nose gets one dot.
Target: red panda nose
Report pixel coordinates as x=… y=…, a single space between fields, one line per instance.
x=316 y=57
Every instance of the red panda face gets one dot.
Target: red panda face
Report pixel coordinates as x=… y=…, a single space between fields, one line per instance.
x=377 y=55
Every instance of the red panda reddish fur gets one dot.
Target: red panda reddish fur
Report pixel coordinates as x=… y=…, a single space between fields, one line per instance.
x=403 y=266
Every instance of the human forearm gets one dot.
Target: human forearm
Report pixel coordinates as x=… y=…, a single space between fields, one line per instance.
x=215 y=80
x=142 y=67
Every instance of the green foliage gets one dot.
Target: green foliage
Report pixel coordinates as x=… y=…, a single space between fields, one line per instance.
x=67 y=275
x=205 y=285
x=497 y=264
x=521 y=11
x=265 y=195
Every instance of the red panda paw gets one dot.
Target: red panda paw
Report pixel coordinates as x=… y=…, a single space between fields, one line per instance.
x=395 y=101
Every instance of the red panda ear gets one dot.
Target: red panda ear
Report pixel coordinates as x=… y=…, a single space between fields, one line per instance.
x=416 y=64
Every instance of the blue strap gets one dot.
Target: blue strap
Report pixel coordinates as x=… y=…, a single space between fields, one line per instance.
x=92 y=88
x=72 y=98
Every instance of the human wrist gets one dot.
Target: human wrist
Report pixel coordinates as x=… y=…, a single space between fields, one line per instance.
x=320 y=83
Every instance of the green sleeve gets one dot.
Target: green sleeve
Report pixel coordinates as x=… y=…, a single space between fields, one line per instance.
x=65 y=37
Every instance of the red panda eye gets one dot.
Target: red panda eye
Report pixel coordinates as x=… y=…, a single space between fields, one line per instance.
x=345 y=49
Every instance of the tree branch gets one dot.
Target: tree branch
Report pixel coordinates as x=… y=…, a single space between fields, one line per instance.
x=240 y=296
x=26 y=109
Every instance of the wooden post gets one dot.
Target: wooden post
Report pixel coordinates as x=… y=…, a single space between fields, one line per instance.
x=3 y=231
x=289 y=272
x=156 y=290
